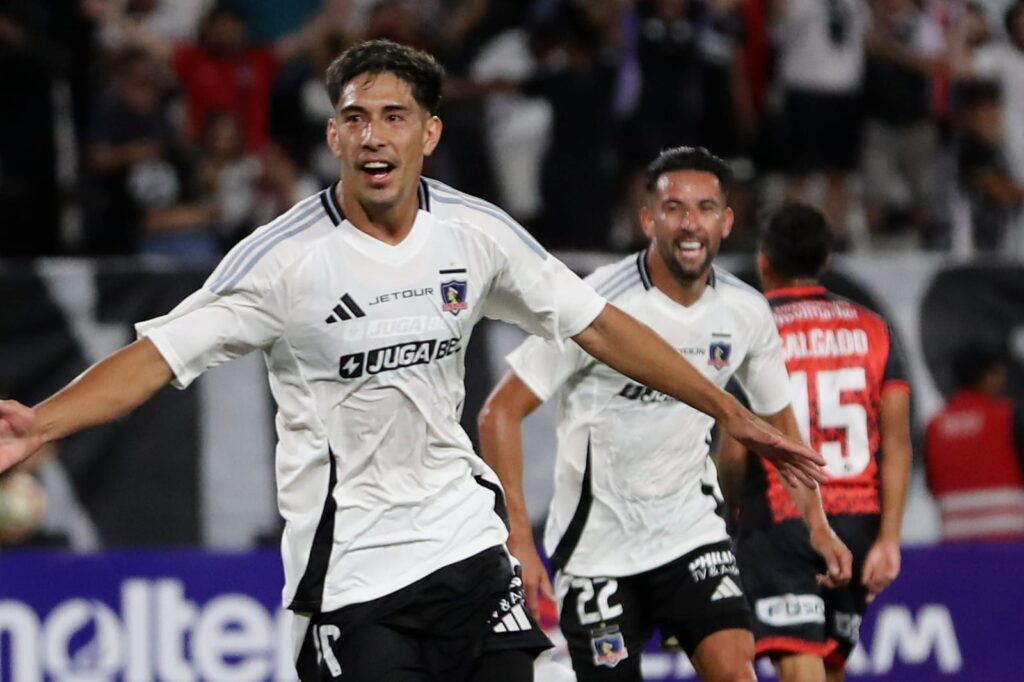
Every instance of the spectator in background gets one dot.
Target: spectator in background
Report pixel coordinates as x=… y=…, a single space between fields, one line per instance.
x=223 y=71
x=268 y=20
x=1003 y=62
x=141 y=194
x=577 y=77
x=901 y=142
x=22 y=503
x=517 y=128
x=281 y=184
x=983 y=174
x=32 y=67
x=821 y=67
x=173 y=20
x=228 y=174
x=973 y=452
x=673 y=73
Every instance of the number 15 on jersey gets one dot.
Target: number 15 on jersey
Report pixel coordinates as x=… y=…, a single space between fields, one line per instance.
x=831 y=413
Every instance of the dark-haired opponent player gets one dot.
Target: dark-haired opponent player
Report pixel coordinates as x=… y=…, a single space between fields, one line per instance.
x=852 y=401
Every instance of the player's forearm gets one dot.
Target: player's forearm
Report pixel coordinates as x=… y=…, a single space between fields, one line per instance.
x=731 y=463
x=808 y=501
x=634 y=349
x=894 y=423
x=501 y=446
x=109 y=389
x=895 y=477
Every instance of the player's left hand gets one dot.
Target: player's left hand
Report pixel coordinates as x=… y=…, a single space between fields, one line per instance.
x=536 y=583
x=19 y=433
x=881 y=566
x=838 y=559
x=796 y=463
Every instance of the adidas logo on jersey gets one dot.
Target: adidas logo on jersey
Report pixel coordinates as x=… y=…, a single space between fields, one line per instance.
x=727 y=589
x=345 y=310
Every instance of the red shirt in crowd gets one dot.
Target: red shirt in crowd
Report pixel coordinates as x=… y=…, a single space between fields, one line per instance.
x=974 y=468
x=239 y=85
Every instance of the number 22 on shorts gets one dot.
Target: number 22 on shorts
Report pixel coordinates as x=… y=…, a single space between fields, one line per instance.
x=605 y=611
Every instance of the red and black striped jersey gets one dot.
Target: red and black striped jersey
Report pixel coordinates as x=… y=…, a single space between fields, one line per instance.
x=841 y=358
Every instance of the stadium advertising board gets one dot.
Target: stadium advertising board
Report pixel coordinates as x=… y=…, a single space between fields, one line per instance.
x=191 y=615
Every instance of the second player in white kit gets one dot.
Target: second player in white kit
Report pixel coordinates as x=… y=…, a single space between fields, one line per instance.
x=641 y=457
x=632 y=530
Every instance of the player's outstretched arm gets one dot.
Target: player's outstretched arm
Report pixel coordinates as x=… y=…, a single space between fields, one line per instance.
x=501 y=445
x=635 y=350
x=109 y=389
x=882 y=563
x=838 y=558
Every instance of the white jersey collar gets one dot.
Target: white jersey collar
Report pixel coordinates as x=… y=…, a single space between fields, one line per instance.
x=372 y=247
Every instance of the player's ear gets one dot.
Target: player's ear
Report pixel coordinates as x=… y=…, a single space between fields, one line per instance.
x=431 y=135
x=729 y=218
x=764 y=268
x=332 y=137
x=647 y=221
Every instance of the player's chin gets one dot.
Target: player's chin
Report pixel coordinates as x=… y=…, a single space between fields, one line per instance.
x=380 y=198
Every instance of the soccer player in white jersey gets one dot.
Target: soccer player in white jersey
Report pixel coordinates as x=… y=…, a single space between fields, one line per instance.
x=362 y=299
x=632 y=530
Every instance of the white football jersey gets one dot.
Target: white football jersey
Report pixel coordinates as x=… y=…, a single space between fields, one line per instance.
x=634 y=485
x=365 y=342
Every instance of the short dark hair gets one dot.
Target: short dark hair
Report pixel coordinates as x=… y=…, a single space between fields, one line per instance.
x=970 y=94
x=420 y=70
x=688 y=158
x=797 y=241
x=1010 y=17
x=973 y=360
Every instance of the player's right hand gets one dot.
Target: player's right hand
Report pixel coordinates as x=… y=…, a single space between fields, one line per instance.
x=796 y=463
x=19 y=433
x=838 y=558
x=535 y=577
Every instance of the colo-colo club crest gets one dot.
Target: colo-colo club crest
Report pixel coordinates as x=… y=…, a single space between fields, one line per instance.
x=718 y=354
x=453 y=296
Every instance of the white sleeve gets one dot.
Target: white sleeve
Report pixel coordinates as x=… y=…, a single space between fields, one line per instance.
x=929 y=38
x=987 y=62
x=208 y=329
x=763 y=374
x=545 y=365
x=536 y=291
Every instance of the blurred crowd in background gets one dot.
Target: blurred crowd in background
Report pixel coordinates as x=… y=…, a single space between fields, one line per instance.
x=175 y=127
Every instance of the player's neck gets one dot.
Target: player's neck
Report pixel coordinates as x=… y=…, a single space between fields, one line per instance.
x=771 y=283
x=390 y=225
x=685 y=292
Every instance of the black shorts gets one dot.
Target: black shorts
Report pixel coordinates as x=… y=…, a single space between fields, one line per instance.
x=435 y=629
x=607 y=621
x=792 y=613
x=822 y=132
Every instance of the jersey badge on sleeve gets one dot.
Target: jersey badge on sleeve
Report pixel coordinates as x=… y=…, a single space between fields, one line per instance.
x=609 y=646
x=718 y=354
x=453 y=292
